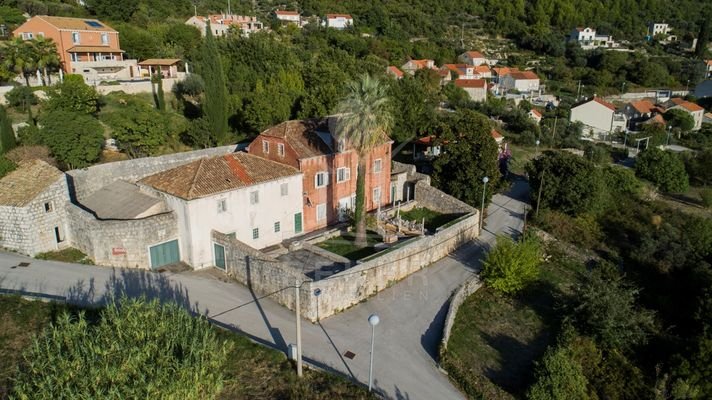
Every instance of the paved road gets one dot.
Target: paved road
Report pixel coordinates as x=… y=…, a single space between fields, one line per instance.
x=412 y=312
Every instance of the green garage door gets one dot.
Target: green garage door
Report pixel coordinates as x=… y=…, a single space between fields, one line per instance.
x=164 y=254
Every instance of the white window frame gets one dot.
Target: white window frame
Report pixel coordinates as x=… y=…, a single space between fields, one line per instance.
x=255 y=197
x=280 y=149
x=377 y=200
x=325 y=180
x=321 y=212
x=104 y=38
x=27 y=36
x=265 y=146
x=377 y=166
x=78 y=38
x=255 y=233
x=222 y=206
x=277 y=227
x=75 y=57
x=345 y=171
x=284 y=189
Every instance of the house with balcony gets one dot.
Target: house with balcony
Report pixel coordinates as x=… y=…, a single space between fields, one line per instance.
x=599 y=118
x=589 y=39
x=87 y=47
x=338 y=21
x=695 y=111
x=641 y=112
x=288 y=17
x=413 y=65
x=222 y=24
x=329 y=167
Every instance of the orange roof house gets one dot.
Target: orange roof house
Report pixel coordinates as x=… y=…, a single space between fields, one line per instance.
x=394 y=71
x=85 y=46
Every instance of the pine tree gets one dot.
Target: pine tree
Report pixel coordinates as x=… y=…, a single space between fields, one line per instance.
x=215 y=103
x=7 y=135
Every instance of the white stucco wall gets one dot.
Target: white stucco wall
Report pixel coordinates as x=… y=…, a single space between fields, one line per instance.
x=593 y=115
x=697 y=116
x=338 y=23
x=197 y=218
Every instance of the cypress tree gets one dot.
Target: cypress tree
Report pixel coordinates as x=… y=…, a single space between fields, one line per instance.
x=7 y=135
x=158 y=96
x=215 y=103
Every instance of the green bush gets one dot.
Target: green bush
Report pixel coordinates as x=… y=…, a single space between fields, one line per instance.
x=560 y=377
x=6 y=166
x=511 y=266
x=662 y=168
x=706 y=196
x=137 y=350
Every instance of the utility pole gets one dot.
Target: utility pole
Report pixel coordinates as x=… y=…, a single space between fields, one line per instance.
x=538 y=198
x=229 y=12
x=299 y=329
x=553 y=133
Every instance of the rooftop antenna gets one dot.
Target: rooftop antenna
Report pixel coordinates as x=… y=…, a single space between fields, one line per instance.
x=229 y=12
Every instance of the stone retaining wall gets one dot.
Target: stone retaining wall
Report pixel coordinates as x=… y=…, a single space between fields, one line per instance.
x=434 y=199
x=461 y=294
x=120 y=243
x=84 y=182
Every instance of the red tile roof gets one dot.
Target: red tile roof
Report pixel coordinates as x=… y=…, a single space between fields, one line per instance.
x=692 y=107
x=395 y=71
x=301 y=136
x=281 y=12
x=536 y=112
x=209 y=176
x=482 y=69
x=471 y=83
x=523 y=75
x=502 y=71
x=496 y=135
x=331 y=16
x=657 y=119
x=643 y=106
x=604 y=103
x=474 y=54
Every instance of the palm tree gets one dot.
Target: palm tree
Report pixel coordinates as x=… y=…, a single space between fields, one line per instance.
x=19 y=57
x=364 y=121
x=46 y=53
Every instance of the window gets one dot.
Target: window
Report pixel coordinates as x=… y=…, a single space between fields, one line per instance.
x=284 y=189
x=48 y=206
x=343 y=174
x=222 y=206
x=321 y=179
x=377 y=196
x=104 y=38
x=27 y=35
x=280 y=149
x=265 y=146
x=377 y=165
x=320 y=212
x=75 y=57
x=277 y=226
x=256 y=233
x=254 y=197
x=75 y=37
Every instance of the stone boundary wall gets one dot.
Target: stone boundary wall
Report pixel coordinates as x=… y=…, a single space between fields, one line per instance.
x=84 y=182
x=261 y=273
x=326 y=254
x=143 y=86
x=430 y=197
x=122 y=243
x=350 y=287
x=460 y=295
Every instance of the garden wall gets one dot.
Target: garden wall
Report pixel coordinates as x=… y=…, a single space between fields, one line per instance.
x=461 y=294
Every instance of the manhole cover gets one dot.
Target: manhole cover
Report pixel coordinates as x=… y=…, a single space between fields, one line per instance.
x=350 y=355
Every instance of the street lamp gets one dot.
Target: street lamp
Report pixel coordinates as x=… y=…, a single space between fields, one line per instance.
x=373 y=320
x=669 y=130
x=536 y=154
x=484 y=190
x=622 y=88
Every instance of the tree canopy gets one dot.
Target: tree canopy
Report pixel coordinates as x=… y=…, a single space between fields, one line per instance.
x=662 y=168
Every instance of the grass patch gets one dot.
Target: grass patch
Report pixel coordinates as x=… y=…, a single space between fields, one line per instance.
x=344 y=246
x=521 y=156
x=433 y=219
x=252 y=371
x=496 y=339
x=68 y=255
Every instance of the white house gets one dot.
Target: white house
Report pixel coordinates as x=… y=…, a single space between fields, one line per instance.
x=413 y=65
x=473 y=58
x=587 y=38
x=655 y=28
x=220 y=24
x=476 y=88
x=693 y=109
x=598 y=116
x=522 y=81
x=255 y=199
x=460 y=71
x=288 y=17
x=535 y=115
x=339 y=21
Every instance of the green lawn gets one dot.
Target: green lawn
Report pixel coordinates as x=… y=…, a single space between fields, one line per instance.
x=344 y=245
x=496 y=339
x=433 y=219
x=253 y=371
x=521 y=156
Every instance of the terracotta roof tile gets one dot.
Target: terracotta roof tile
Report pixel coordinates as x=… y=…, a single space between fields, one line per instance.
x=282 y=12
x=94 y=49
x=643 y=106
x=471 y=83
x=604 y=103
x=330 y=16
x=482 y=69
x=395 y=71
x=536 y=112
x=474 y=54
x=692 y=107
x=301 y=136
x=523 y=75
x=160 y=61
x=76 y=23
x=22 y=185
x=209 y=176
